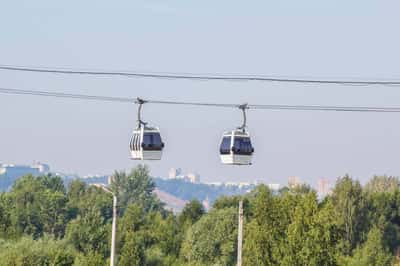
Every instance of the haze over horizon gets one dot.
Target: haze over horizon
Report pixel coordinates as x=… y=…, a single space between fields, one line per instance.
x=285 y=39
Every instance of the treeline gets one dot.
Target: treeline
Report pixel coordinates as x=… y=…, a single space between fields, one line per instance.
x=43 y=223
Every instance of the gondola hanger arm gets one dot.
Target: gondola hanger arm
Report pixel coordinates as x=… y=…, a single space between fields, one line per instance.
x=140 y=102
x=243 y=107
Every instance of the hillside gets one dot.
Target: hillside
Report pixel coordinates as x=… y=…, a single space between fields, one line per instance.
x=188 y=191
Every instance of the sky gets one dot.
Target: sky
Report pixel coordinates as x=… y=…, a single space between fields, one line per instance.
x=302 y=39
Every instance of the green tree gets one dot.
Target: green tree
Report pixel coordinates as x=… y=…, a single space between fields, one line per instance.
x=45 y=251
x=383 y=212
x=6 y=228
x=212 y=240
x=77 y=191
x=289 y=229
x=90 y=259
x=157 y=232
x=132 y=252
x=372 y=252
x=311 y=235
x=89 y=233
x=136 y=187
x=382 y=184
x=233 y=202
x=54 y=183
x=191 y=213
x=38 y=206
x=265 y=229
x=300 y=189
x=349 y=203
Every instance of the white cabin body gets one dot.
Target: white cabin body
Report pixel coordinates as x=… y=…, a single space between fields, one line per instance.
x=146 y=144
x=236 y=148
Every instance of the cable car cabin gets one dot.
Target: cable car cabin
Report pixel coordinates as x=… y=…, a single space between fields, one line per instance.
x=236 y=148
x=146 y=144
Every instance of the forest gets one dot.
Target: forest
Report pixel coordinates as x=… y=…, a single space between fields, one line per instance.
x=42 y=222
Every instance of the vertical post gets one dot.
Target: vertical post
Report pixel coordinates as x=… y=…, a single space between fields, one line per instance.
x=240 y=234
x=114 y=231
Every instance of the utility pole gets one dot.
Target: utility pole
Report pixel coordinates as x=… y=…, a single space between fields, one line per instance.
x=240 y=234
x=114 y=221
x=114 y=231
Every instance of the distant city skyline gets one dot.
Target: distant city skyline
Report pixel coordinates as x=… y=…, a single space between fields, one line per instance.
x=37 y=168
x=13 y=171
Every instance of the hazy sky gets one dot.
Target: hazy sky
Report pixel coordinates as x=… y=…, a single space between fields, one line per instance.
x=324 y=39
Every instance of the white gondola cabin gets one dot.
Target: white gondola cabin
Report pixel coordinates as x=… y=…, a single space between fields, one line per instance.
x=236 y=148
x=146 y=144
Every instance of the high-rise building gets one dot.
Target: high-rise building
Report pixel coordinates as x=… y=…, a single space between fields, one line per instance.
x=174 y=173
x=193 y=178
x=293 y=181
x=323 y=187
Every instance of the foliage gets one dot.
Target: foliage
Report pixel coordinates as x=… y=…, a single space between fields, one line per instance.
x=136 y=187
x=311 y=235
x=90 y=259
x=132 y=252
x=88 y=233
x=45 y=251
x=382 y=184
x=36 y=206
x=290 y=229
x=372 y=252
x=212 y=240
x=191 y=213
x=42 y=223
x=350 y=206
x=260 y=234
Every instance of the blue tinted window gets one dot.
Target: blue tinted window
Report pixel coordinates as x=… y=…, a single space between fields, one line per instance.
x=152 y=141
x=225 y=147
x=242 y=145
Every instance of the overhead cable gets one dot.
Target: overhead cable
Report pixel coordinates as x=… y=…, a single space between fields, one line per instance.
x=14 y=91
x=66 y=95
x=194 y=76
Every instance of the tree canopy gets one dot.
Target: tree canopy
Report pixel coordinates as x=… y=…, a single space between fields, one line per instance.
x=44 y=223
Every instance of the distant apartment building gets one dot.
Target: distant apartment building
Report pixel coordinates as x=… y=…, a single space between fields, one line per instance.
x=193 y=178
x=294 y=181
x=323 y=188
x=176 y=173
